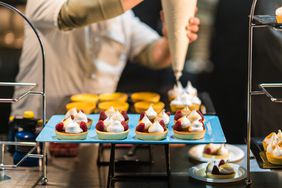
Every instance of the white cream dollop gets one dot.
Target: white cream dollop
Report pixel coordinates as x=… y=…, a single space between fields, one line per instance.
x=277 y=151
x=110 y=111
x=72 y=127
x=71 y=112
x=226 y=169
x=80 y=116
x=191 y=90
x=196 y=126
x=117 y=116
x=182 y=99
x=196 y=100
x=185 y=122
x=67 y=121
x=115 y=127
x=222 y=150
x=278 y=11
x=151 y=113
x=156 y=127
x=165 y=117
x=194 y=116
x=146 y=122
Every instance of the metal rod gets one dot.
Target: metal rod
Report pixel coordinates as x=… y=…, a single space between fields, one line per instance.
x=26 y=156
x=2 y=155
x=18 y=143
x=249 y=105
x=16 y=84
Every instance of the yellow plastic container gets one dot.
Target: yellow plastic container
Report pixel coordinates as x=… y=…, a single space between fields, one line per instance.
x=89 y=98
x=122 y=97
x=121 y=106
x=145 y=96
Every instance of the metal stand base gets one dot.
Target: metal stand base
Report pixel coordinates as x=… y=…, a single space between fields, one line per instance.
x=3 y=177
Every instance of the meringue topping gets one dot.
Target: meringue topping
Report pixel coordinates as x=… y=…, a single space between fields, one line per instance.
x=164 y=117
x=190 y=89
x=156 y=127
x=226 y=169
x=196 y=126
x=71 y=112
x=80 y=116
x=194 y=115
x=151 y=113
x=72 y=127
x=115 y=127
x=117 y=116
x=185 y=122
x=277 y=151
x=278 y=11
x=146 y=121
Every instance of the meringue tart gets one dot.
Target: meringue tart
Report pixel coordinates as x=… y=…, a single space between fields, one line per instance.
x=71 y=136
x=186 y=135
x=112 y=136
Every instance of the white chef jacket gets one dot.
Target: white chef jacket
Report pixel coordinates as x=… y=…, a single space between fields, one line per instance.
x=83 y=60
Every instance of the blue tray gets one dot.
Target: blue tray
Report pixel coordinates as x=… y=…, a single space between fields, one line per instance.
x=214 y=133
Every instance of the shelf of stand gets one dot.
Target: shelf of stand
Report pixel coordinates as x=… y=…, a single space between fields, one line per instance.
x=28 y=87
x=266 y=21
x=270 y=86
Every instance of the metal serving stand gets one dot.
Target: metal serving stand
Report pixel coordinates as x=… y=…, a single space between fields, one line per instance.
x=257 y=21
x=29 y=89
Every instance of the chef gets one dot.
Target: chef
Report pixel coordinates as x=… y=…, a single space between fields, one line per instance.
x=87 y=44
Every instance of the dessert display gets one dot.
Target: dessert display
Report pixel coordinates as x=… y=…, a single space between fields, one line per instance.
x=273 y=147
x=118 y=105
x=86 y=107
x=217 y=151
x=122 y=97
x=143 y=106
x=145 y=96
x=74 y=126
x=278 y=14
x=112 y=125
x=152 y=126
x=189 y=124
x=220 y=170
x=184 y=97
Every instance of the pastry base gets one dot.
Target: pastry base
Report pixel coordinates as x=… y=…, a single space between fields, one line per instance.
x=279 y=19
x=216 y=156
x=118 y=105
x=214 y=176
x=151 y=136
x=273 y=159
x=112 y=136
x=122 y=97
x=145 y=96
x=69 y=136
x=174 y=108
x=189 y=135
x=264 y=144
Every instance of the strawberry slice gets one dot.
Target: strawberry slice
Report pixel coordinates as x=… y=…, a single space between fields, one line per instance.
x=60 y=127
x=100 y=126
x=142 y=116
x=162 y=123
x=125 y=116
x=125 y=125
x=177 y=126
x=140 y=127
x=178 y=115
x=83 y=126
x=103 y=116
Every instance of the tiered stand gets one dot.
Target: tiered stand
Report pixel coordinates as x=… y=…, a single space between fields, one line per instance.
x=28 y=89
x=257 y=21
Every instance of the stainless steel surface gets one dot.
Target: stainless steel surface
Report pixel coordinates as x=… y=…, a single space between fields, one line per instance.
x=198 y=172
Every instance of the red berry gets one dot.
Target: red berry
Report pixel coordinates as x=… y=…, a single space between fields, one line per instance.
x=72 y=117
x=82 y=111
x=60 y=127
x=142 y=115
x=163 y=124
x=222 y=162
x=168 y=113
x=178 y=115
x=215 y=170
x=140 y=127
x=100 y=126
x=207 y=151
x=125 y=116
x=83 y=126
x=125 y=125
x=177 y=126
x=103 y=116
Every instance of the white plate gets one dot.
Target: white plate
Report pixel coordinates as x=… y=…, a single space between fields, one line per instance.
x=199 y=173
x=236 y=153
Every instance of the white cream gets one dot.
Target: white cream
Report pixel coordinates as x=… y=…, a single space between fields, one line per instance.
x=279 y=135
x=177 y=90
x=72 y=127
x=156 y=127
x=194 y=116
x=196 y=100
x=110 y=111
x=210 y=167
x=107 y=122
x=278 y=11
x=196 y=126
x=223 y=150
x=226 y=169
x=117 y=116
x=115 y=127
x=277 y=151
x=271 y=146
x=183 y=99
x=270 y=140
x=185 y=122
x=67 y=121
x=80 y=116
x=151 y=113
x=146 y=122
x=165 y=117
x=71 y=112
x=191 y=90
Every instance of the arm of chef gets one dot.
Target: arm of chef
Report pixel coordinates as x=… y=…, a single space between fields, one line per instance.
x=69 y=14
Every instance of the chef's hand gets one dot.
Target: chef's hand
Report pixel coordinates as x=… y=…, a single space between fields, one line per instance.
x=192 y=28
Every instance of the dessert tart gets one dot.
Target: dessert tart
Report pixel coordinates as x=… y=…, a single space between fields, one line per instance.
x=112 y=125
x=220 y=170
x=272 y=137
x=178 y=90
x=152 y=126
x=122 y=97
x=121 y=106
x=217 y=151
x=189 y=125
x=86 y=107
x=278 y=13
x=71 y=129
x=143 y=106
x=145 y=96
x=89 y=98
x=274 y=153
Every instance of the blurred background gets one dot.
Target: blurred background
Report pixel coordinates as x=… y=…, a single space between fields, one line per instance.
x=216 y=63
